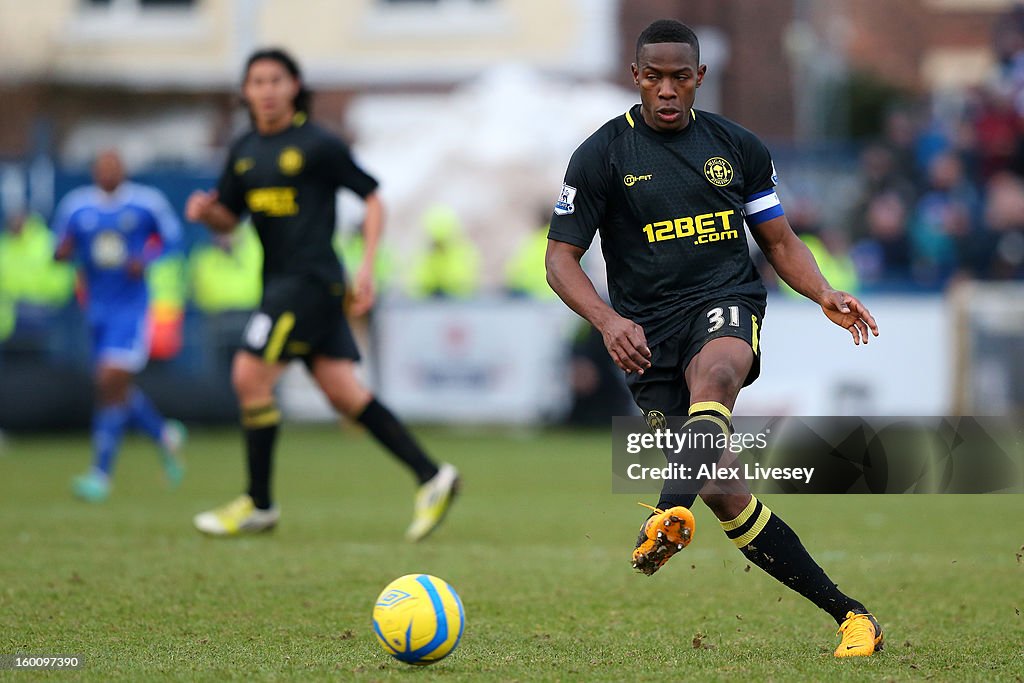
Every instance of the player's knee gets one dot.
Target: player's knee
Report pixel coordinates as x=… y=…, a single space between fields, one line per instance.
x=112 y=386
x=249 y=383
x=721 y=379
x=110 y=395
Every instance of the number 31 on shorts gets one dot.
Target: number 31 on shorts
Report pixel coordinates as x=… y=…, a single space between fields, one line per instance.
x=717 y=319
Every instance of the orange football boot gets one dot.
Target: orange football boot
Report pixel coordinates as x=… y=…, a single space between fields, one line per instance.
x=663 y=534
x=862 y=635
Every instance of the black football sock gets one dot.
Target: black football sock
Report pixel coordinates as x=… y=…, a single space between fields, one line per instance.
x=768 y=542
x=386 y=428
x=707 y=422
x=260 y=426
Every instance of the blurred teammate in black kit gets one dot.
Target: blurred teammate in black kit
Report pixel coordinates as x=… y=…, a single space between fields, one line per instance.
x=285 y=173
x=670 y=189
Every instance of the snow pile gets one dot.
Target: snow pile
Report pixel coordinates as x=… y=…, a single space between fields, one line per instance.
x=495 y=150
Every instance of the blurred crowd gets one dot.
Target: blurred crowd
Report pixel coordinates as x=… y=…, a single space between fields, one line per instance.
x=939 y=194
x=219 y=275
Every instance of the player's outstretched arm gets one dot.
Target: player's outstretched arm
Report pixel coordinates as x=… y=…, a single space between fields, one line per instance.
x=623 y=338
x=796 y=266
x=204 y=207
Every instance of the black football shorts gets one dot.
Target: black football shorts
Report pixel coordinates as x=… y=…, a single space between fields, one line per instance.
x=300 y=317
x=662 y=387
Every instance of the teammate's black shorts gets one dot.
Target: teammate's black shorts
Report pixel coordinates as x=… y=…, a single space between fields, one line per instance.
x=300 y=317
x=662 y=387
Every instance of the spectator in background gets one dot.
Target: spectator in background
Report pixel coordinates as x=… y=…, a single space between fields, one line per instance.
x=883 y=258
x=165 y=278
x=1008 y=46
x=598 y=388
x=525 y=274
x=6 y=317
x=27 y=270
x=32 y=285
x=1008 y=85
x=996 y=130
x=450 y=266
x=113 y=230
x=878 y=175
x=829 y=247
x=944 y=222
x=1001 y=255
x=225 y=275
x=225 y=284
x=900 y=136
x=965 y=143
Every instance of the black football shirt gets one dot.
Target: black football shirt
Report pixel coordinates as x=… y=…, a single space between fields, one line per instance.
x=670 y=208
x=287 y=183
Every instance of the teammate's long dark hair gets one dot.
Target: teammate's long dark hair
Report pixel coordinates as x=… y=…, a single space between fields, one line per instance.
x=302 y=98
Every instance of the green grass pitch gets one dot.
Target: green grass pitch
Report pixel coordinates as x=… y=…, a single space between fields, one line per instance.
x=537 y=546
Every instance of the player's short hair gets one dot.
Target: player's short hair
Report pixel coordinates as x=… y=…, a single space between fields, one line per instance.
x=301 y=101
x=668 y=31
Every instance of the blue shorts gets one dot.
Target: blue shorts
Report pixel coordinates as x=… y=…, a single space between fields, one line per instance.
x=121 y=340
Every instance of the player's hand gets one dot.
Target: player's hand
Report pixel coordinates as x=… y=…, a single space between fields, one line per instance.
x=64 y=250
x=626 y=344
x=135 y=268
x=850 y=314
x=362 y=292
x=198 y=205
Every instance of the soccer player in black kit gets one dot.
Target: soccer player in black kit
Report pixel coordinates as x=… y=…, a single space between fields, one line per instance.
x=670 y=189
x=285 y=173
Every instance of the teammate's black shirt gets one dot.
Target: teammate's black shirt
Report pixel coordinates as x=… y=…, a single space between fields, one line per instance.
x=287 y=183
x=671 y=210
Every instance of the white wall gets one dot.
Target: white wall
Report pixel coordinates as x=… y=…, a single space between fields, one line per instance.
x=811 y=367
x=496 y=361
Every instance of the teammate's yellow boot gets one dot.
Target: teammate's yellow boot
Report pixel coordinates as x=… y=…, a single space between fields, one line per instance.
x=240 y=516
x=862 y=635
x=433 y=500
x=663 y=535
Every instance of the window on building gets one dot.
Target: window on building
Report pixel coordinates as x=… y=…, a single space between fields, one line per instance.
x=130 y=5
x=135 y=20
x=434 y=2
x=398 y=18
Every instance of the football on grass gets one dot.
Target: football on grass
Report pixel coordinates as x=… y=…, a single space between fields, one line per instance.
x=418 y=619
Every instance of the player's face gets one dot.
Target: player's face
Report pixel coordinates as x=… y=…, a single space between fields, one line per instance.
x=270 y=91
x=108 y=171
x=668 y=76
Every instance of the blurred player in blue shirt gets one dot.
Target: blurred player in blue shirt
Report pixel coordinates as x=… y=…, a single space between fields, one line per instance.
x=113 y=230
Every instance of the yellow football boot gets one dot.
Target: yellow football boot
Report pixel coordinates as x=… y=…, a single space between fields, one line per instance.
x=240 y=516
x=663 y=535
x=862 y=636
x=433 y=500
